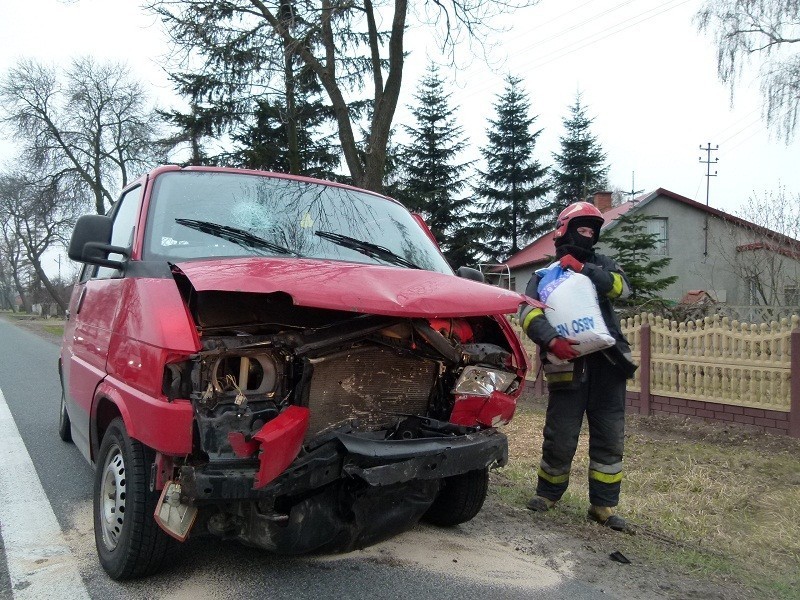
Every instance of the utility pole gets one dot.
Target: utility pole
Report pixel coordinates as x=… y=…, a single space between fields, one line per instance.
x=708 y=162
x=633 y=191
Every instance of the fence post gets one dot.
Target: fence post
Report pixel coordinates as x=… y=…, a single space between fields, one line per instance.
x=644 y=371
x=794 y=389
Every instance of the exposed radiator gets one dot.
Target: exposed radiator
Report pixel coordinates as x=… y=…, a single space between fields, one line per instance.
x=368 y=384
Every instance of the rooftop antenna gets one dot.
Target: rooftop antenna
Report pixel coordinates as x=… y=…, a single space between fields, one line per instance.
x=633 y=191
x=708 y=162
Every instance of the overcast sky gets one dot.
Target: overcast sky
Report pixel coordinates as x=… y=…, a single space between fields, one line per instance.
x=648 y=78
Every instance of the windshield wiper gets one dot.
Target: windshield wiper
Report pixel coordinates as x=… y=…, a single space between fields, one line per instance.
x=368 y=248
x=235 y=235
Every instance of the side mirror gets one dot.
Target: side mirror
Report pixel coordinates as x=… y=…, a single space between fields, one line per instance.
x=90 y=242
x=470 y=273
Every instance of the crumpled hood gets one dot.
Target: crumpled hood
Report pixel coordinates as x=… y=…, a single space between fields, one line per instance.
x=361 y=288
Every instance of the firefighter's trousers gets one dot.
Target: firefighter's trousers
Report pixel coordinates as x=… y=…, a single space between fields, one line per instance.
x=597 y=390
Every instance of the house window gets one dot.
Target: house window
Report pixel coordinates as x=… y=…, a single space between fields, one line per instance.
x=754 y=297
x=791 y=295
x=658 y=226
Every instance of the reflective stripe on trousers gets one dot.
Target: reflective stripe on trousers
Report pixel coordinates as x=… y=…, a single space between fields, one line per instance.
x=598 y=391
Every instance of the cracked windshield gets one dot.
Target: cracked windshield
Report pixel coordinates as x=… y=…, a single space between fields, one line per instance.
x=204 y=215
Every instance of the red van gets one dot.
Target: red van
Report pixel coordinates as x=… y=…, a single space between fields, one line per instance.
x=279 y=360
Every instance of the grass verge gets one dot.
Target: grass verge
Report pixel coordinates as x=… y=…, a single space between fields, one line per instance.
x=706 y=500
x=19 y=316
x=53 y=326
x=57 y=330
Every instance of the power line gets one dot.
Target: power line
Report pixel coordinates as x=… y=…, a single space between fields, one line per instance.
x=592 y=38
x=548 y=22
x=748 y=126
x=738 y=144
x=736 y=122
x=568 y=49
x=697 y=190
x=742 y=141
x=576 y=26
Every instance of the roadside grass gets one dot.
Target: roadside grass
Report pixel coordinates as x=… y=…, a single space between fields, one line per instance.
x=57 y=330
x=19 y=315
x=706 y=500
x=53 y=325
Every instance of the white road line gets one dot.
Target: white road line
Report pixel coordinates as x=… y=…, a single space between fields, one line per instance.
x=40 y=562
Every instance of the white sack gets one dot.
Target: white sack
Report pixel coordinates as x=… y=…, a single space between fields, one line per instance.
x=573 y=310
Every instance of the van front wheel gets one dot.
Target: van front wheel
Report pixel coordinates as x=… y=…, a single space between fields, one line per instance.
x=129 y=542
x=64 y=425
x=460 y=499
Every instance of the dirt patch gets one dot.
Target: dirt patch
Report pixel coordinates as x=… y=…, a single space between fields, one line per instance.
x=529 y=552
x=715 y=509
x=582 y=551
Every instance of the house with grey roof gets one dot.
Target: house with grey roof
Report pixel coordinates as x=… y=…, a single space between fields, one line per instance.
x=731 y=260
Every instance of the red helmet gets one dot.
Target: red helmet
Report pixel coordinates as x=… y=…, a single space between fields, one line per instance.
x=587 y=214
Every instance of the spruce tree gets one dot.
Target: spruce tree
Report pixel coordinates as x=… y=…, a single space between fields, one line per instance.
x=275 y=118
x=579 y=168
x=351 y=47
x=631 y=246
x=263 y=144
x=431 y=179
x=514 y=182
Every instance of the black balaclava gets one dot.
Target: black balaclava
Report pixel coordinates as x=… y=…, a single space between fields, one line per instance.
x=575 y=244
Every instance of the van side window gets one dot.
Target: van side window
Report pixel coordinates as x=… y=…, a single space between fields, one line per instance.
x=86 y=272
x=124 y=213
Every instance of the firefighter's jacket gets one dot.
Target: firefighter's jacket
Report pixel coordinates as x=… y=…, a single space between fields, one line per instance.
x=611 y=283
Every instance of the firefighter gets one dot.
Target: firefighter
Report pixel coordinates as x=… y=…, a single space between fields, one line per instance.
x=593 y=384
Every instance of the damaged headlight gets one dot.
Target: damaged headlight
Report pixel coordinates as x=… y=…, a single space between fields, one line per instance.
x=251 y=374
x=481 y=381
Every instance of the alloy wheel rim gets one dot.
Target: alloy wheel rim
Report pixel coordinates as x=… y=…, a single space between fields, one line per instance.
x=112 y=498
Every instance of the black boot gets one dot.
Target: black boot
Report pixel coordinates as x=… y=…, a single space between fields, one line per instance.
x=540 y=504
x=606 y=517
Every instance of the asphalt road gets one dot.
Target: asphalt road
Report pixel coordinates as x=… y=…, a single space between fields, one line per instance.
x=423 y=563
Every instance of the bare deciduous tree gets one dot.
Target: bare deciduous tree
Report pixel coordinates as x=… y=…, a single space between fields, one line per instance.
x=766 y=254
x=777 y=210
x=92 y=127
x=763 y=30
x=348 y=45
x=6 y=284
x=15 y=269
x=34 y=219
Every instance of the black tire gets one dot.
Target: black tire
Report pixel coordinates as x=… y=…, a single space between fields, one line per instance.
x=64 y=426
x=129 y=542
x=460 y=499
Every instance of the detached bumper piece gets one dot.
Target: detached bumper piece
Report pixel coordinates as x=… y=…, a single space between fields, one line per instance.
x=351 y=491
x=387 y=462
x=375 y=461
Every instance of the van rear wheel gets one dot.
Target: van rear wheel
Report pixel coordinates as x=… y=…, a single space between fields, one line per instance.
x=129 y=542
